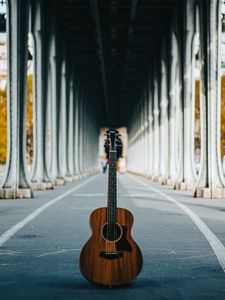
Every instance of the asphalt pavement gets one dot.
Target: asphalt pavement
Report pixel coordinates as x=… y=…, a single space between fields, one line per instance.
x=182 y=240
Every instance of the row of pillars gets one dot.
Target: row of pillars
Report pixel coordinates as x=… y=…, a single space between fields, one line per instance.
x=161 y=133
x=65 y=130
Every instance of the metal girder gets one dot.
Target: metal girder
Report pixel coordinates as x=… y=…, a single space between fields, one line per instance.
x=111 y=44
x=95 y=13
x=152 y=6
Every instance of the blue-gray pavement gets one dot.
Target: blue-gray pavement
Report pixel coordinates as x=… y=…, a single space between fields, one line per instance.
x=42 y=260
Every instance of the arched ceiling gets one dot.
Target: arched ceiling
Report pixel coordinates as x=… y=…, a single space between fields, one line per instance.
x=112 y=44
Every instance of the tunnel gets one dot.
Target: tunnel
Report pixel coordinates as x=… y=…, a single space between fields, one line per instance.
x=151 y=67
x=106 y=101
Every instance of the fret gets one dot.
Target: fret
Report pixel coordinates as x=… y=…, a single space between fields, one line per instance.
x=112 y=188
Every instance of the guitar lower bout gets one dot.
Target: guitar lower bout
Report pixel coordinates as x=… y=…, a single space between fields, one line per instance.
x=111 y=260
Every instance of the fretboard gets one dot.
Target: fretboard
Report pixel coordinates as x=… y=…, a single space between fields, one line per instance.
x=112 y=191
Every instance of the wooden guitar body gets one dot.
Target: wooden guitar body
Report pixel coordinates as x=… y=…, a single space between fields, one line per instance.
x=111 y=262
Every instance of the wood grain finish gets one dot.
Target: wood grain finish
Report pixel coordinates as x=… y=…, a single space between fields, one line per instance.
x=112 y=272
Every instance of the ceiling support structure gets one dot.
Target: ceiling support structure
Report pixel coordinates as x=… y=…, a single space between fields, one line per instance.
x=95 y=13
x=133 y=13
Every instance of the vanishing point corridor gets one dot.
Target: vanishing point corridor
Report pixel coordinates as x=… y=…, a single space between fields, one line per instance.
x=150 y=74
x=41 y=260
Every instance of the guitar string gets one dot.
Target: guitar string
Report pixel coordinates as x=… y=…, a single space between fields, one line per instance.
x=114 y=221
x=108 y=217
x=114 y=202
x=113 y=187
x=109 y=202
x=111 y=211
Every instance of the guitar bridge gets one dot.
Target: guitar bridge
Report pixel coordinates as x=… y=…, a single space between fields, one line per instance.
x=111 y=255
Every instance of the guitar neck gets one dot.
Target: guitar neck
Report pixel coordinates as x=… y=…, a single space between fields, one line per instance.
x=112 y=188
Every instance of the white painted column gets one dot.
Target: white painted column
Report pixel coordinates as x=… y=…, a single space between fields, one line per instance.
x=150 y=128
x=188 y=82
x=60 y=179
x=173 y=85
x=56 y=98
x=146 y=134
x=84 y=152
x=63 y=123
x=52 y=112
x=81 y=132
x=76 y=133
x=139 y=153
x=90 y=123
x=70 y=128
x=164 y=126
x=211 y=181
x=156 y=129
x=40 y=177
x=15 y=183
x=131 y=146
x=142 y=140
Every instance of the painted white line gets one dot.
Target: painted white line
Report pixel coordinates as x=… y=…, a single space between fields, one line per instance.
x=14 y=229
x=58 y=252
x=213 y=240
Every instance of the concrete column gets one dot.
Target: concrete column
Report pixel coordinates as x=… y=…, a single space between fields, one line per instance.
x=188 y=95
x=135 y=161
x=60 y=112
x=164 y=125
x=147 y=129
x=15 y=184
x=81 y=133
x=90 y=121
x=53 y=94
x=93 y=159
x=146 y=133
x=150 y=128
x=40 y=178
x=70 y=131
x=91 y=143
x=93 y=150
x=84 y=139
x=173 y=87
x=156 y=129
x=63 y=123
x=87 y=140
x=56 y=114
x=211 y=181
x=142 y=141
x=130 y=146
x=137 y=143
x=76 y=132
x=178 y=115
x=135 y=150
x=139 y=153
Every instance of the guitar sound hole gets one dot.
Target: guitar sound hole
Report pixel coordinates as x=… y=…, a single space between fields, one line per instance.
x=112 y=232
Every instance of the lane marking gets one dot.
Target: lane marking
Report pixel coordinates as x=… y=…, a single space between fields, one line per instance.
x=90 y=195
x=57 y=252
x=14 y=229
x=213 y=240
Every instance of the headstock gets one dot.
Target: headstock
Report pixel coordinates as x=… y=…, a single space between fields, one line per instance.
x=113 y=141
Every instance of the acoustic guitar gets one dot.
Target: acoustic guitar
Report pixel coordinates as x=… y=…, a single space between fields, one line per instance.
x=111 y=257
